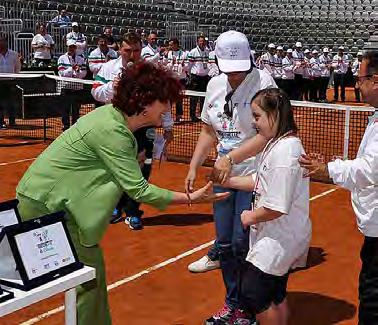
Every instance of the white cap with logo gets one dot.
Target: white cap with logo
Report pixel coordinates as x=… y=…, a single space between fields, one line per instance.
x=306 y=51
x=289 y=51
x=74 y=24
x=298 y=44
x=325 y=50
x=71 y=42
x=233 y=52
x=271 y=46
x=315 y=51
x=279 y=48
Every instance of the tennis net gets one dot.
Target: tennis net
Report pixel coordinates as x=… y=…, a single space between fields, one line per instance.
x=40 y=101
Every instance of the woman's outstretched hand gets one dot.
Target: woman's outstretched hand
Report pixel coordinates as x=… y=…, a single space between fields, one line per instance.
x=205 y=195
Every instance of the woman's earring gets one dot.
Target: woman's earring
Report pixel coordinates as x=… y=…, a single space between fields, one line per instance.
x=144 y=113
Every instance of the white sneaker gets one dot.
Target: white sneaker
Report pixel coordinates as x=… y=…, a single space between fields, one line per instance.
x=204 y=264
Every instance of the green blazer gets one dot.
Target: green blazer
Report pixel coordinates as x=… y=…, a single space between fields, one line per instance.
x=85 y=171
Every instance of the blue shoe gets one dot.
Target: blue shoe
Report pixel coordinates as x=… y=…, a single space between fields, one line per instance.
x=135 y=223
x=116 y=216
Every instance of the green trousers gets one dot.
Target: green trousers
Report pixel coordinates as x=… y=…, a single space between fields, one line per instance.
x=92 y=296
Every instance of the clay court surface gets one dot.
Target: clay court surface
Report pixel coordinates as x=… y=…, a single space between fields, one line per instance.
x=149 y=287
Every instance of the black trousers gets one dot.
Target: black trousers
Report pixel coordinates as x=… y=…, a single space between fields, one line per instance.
x=9 y=95
x=307 y=84
x=288 y=86
x=339 y=81
x=145 y=139
x=197 y=83
x=357 y=94
x=368 y=283
x=323 y=88
x=298 y=92
x=315 y=89
x=278 y=82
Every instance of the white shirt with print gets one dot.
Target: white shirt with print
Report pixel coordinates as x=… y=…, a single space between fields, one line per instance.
x=231 y=133
x=277 y=245
x=43 y=52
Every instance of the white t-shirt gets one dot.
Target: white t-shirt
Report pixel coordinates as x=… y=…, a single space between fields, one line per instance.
x=231 y=133
x=43 y=52
x=278 y=245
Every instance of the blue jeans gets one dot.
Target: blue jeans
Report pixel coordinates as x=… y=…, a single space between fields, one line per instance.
x=231 y=240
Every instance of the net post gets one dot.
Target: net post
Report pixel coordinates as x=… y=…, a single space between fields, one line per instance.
x=346 y=133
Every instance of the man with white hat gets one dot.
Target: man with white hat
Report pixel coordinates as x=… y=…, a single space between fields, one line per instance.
x=288 y=67
x=340 y=65
x=355 y=70
x=227 y=120
x=325 y=63
x=79 y=38
x=307 y=75
x=277 y=69
x=71 y=65
x=267 y=59
x=298 y=57
x=316 y=73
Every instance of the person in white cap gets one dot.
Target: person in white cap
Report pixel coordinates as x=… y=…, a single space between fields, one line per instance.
x=71 y=65
x=340 y=64
x=227 y=120
x=79 y=38
x=288 y=67
x=316 y=73
x=355 y=70
x=277 y=69
x=298 y=57
x=267 y=59
x=307 y=75
x=325 y=63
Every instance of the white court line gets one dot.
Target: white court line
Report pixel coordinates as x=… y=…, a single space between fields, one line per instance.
x=16 y=162
x=148 y=270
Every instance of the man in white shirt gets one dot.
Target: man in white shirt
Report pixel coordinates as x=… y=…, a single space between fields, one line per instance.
x=288 y=66
x=43 y=45
x=72 y=65
x=316 y=73
x=325 y=66
x=277 y=69
x=9 y=63
x=62 y=19
x=298 y=57
x=267 y=59
x=103 y=91
x=177 y=62
x=152 y=53
x=79 y=38
x=307 y=75
x=100 y=55
x=340 y=65
x=199 y=74
x=360 y=176
x=355 y=70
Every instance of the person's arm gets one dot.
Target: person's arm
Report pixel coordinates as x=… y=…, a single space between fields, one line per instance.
x=95 y=63
x=262 y=214
x=242 y=183
x=64 y=69
x=82 y=72
x=351 y=174
x=17 y=66
x=205 y=143
x=250 y=148
x=102 y=89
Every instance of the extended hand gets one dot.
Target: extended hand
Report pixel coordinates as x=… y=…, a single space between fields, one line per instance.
x=189 y=181
x=247 y=218
x=314 y=166
x=206 y=195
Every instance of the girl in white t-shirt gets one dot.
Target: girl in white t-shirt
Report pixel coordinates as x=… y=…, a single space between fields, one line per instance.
x=280 y=228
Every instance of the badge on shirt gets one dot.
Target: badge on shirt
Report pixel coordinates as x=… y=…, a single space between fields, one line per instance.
x=255 y=200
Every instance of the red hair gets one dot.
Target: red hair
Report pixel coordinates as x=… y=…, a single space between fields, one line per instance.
x=142 y=84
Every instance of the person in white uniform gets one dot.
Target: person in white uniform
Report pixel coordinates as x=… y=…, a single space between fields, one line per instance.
x=325 y=66
x=280 y=227
x=355 y=70
x=288 y=66
x=360 y=176
x=227 y=120
x=340 y=65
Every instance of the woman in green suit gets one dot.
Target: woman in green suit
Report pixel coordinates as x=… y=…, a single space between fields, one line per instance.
x=86 y=169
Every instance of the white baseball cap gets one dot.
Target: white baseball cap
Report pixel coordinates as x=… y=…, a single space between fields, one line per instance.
x=325 y=50
x=298 y=44
x=71 y=42
x=279 y=48
x=233 y=52
x=74 y=24
x=315 y=52
x=306 y=51
x=359 y=53
x=341 y=47
x=271 y=46
x=289 y=51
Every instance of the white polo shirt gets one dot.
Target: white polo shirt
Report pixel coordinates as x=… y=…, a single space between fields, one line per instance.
x=340 y=64
x=325 y=62
x=231 y=133
x=277 y=245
